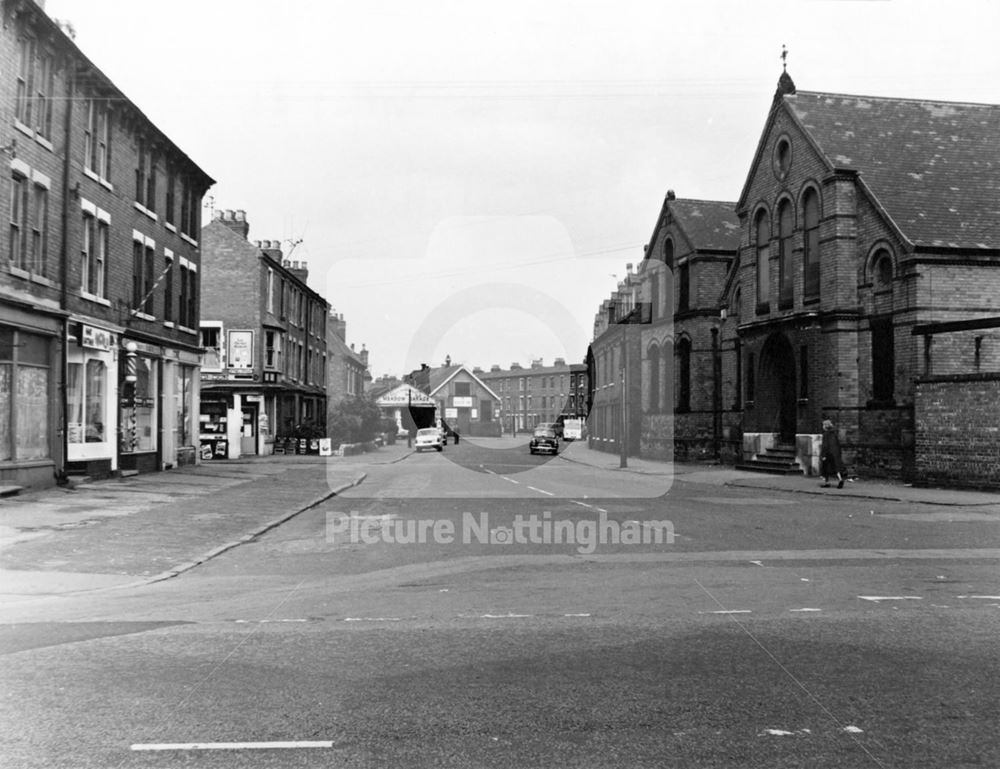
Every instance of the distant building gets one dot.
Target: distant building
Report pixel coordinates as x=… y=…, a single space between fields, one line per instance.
x=99 y=286
x=347 y=374
x=614 y=366
x=265 y=334
x=538 y=393
x=465 y=403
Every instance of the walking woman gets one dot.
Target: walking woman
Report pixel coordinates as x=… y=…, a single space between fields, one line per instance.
x=830 y=462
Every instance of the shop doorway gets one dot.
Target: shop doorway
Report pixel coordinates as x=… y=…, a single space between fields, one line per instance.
x=248 y=430
x=776 y=394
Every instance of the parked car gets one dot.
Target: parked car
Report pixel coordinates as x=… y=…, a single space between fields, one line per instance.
x=544 y=439
x=429 y=438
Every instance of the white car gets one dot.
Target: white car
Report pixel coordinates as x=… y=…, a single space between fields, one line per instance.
x=429 y=438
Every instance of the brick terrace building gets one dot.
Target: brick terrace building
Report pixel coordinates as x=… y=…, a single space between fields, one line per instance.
x=347 y=372
x=538 y=393
x=264 y=331
x=99 y=284
x=614 y=370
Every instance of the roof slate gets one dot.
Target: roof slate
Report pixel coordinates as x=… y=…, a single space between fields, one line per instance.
x=933 y=166
x=709 y=224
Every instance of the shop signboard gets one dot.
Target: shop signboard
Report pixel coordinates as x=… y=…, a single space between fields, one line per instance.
x=96 y=338
x=450 y=413
x=462 y=401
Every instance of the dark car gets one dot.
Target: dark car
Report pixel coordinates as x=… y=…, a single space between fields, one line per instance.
x=544 y=439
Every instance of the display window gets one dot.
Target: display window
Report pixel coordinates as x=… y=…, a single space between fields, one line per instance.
x=24 y=395
x=139 y=417
x=90 y=414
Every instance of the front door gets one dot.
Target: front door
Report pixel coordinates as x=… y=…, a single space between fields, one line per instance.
x=248 y=430
x=776 y=390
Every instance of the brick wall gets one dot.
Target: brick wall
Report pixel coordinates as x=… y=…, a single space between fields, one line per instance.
x=958 y=430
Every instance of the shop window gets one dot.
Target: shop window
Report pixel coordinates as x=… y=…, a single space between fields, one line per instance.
x=182 y=395
x=86 y=387
x=139 y=424
x=24 y=395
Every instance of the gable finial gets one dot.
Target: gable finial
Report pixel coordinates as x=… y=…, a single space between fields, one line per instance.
x=784 y=58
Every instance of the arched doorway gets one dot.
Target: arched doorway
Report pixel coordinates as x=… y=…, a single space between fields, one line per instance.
x=776 y=388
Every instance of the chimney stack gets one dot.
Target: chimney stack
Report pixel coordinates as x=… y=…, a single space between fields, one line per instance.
x=234 y=220
x=337 y=326
x=364 y=355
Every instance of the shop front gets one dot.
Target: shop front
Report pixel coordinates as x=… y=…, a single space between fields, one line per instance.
x=91 y=394
x=30 y=356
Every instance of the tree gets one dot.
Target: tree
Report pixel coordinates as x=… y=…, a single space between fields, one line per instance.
x=355 y=419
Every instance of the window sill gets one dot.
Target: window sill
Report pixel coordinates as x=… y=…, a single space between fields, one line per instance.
x=43 y=142
x=42 y=280
x=187 y=330
x=94 y=298
x=170 y=227
x=810 y=300
x=143 y=210
x=19 y=273
x=142 y=315
x=23 y=128
x=187 y=238
x=94 y=176
x=168 y=323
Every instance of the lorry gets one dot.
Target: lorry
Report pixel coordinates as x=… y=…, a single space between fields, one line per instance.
x=572 y=429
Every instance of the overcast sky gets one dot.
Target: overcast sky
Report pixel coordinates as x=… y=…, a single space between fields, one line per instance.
x=470 y=179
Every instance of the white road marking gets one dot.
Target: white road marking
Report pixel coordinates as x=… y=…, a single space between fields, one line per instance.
x=486 y=469
x=262 y=621
x=576 y=615
x=776 y=733
x=891 y=597
x=853 y=729
x=805 y=609
x=727 y=611
x=371 y=619
x=986 y=597
x=510 y=479
x=503 y=616
x=581 y=504
x=232 y=745
x=542 y=491
x=757 y=563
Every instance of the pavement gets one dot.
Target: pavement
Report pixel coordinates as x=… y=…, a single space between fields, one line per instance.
x=151 y=527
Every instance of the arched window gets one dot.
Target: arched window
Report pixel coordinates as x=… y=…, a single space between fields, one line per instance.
x=883 y=333
x=762 y=244
x=810 y=244
x=785 y=272
x=684 y=375
x=654 y=379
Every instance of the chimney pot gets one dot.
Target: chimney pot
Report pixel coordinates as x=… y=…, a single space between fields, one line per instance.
x=241 y=215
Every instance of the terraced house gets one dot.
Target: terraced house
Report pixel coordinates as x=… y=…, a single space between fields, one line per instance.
x=99 y=352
